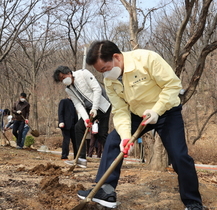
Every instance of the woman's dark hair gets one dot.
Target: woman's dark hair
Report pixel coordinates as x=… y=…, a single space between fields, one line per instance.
x=61 y=69
x=103 y=50
x=6 y=112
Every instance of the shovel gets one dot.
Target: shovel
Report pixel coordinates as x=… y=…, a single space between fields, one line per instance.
x=33 y=132
x=6 y=138
x=110 y=169
x=81 y=145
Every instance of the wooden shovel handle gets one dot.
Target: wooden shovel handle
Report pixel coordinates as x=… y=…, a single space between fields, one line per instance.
x=82 y=142
x=115 y=162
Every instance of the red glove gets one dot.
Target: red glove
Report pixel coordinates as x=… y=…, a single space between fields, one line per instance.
x=26 y=121
x=88 y=123
x=126 y=149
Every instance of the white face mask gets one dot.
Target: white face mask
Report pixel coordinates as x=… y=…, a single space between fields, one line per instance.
x=67 y=81
x=113 y=74
x=22 y=99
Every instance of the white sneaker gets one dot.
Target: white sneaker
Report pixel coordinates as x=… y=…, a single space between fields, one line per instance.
x=81 y=162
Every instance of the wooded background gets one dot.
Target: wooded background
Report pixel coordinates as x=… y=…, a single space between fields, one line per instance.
x=37 y=36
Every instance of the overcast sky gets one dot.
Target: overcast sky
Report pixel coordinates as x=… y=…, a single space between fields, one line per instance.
x=147 y=4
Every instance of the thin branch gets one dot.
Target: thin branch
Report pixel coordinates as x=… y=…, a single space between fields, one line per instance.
x=203 y=127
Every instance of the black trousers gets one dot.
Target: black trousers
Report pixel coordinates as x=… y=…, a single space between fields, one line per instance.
x=102 y=130
x=170 y=128
x=18 y=130
x=67 y=135
x=94 y=143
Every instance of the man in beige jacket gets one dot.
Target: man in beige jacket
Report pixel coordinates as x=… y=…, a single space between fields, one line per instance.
x=138 y=83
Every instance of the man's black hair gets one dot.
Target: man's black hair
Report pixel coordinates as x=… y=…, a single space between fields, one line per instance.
x=103 y=50
x=23 y=95
x=60 y=69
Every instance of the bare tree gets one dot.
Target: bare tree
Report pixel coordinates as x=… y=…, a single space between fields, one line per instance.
x=13 y=15
x=73 y=16
x=134 y=28
x=202 y=28
x=30 y=58
x=14 y=20
x=8 y=85
x=16 y=17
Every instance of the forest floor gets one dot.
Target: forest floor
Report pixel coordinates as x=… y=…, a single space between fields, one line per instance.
x=36 y=180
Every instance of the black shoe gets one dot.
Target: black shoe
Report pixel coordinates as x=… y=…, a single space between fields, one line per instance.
x=194 y=206
x=101 y=197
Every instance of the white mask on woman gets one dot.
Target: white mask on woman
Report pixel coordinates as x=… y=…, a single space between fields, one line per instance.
x=22 y=99
x=67 y=81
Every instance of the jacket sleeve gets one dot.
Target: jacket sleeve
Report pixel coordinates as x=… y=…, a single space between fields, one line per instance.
x=78 y=105
x=61 y=112
x=120 y=111
x=164 y=76
x=14 y=109
x=9 y=124
x=27 y=111
x=94 y=86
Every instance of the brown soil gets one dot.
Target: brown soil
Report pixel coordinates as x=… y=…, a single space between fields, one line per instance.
x=41 y=181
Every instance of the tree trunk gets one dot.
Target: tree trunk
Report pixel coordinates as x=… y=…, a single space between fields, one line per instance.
x=159 y=161
x=155 y=154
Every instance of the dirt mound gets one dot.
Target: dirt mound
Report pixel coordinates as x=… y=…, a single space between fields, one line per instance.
x=52 y=194
x=42 y=170
x=55 y=195
x=44 y=181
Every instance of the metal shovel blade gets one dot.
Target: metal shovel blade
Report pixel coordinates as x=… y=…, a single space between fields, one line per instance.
x=72 y=167
x=109 y=170
x=81 y=205
x=35 y=133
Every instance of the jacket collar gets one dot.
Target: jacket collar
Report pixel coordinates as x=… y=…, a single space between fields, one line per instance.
x=129 y=64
